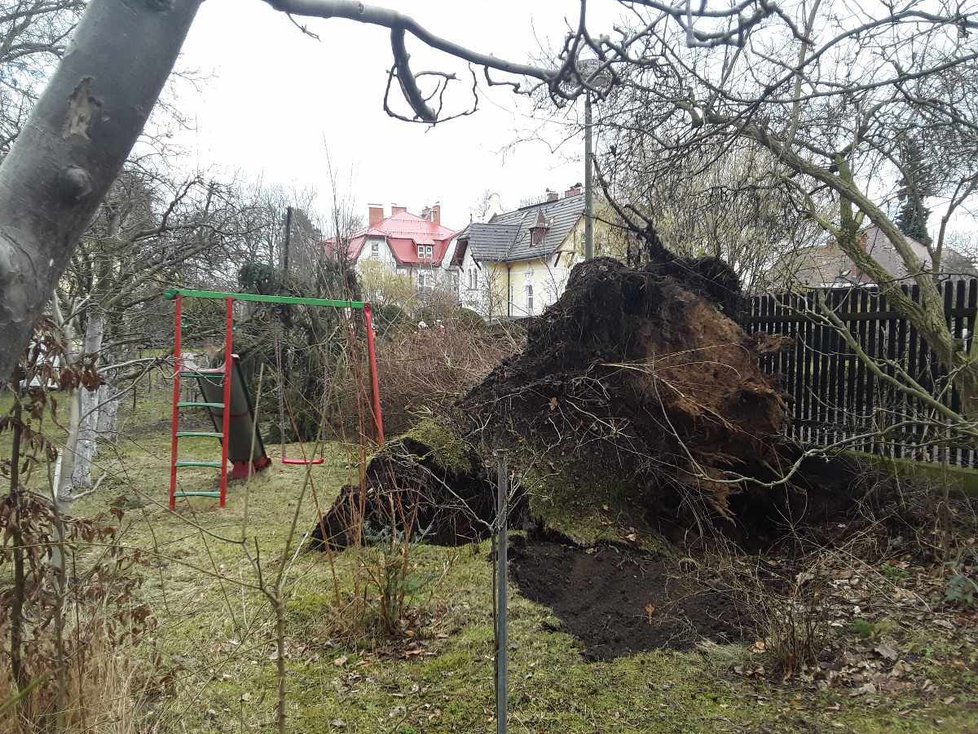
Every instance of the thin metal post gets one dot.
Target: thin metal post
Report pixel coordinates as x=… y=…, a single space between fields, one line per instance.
x=288 y=239
x=588 y=182
x=374 y=377
x=226 y=417
x=175 y=420
x=502 y=549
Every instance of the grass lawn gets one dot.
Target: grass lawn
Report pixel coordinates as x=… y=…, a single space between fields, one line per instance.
x=215 y=631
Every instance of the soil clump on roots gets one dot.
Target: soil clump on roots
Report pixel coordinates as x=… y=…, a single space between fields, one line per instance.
x=427 y=485
x=641 y=378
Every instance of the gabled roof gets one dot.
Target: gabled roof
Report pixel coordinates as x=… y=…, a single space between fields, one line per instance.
x=506 y=237
x=403 y=232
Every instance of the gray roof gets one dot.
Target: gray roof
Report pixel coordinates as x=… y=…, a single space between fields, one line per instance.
x=506 y=237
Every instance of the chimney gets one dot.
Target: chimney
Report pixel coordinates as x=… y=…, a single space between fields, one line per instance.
x=552 y=195
x=375 y=214
x=574 y=190
x=395 y=209
x=426 y=213
x=436 y=213
x=539 y=229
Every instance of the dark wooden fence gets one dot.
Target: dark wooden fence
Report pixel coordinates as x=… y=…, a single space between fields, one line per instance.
x=834 y=397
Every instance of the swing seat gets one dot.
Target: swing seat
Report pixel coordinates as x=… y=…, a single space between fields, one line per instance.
x=302 y=462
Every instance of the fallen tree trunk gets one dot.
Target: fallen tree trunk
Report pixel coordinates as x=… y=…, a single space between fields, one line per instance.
x=638 y=406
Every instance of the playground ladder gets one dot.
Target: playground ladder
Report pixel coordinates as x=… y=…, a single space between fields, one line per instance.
x=178 y=405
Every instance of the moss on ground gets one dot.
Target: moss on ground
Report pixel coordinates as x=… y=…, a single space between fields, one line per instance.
x=587 y=514
x=448 y=449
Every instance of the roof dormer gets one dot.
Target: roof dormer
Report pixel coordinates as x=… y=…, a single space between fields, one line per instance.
x=539 y=229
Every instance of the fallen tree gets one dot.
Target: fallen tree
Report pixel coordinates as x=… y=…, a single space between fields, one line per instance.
x=637 y=404
x=638 y=374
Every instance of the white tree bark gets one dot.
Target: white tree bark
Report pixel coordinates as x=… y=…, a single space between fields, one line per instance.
x=73 y=146
x=86 y=446
x=65 y=465
x=108 y=413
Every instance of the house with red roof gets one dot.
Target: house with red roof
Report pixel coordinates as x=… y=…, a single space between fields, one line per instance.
x=405 y=243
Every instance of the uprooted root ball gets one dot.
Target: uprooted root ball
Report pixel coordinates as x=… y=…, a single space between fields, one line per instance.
x=637 y=375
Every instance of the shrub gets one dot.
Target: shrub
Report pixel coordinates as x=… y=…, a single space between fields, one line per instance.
x=389 y=317
x=424 y=372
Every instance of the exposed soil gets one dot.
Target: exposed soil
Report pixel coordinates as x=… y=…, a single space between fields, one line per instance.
x=644 y=368
x=619 y=602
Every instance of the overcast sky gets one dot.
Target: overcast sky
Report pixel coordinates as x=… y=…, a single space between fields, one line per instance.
x=275 y=100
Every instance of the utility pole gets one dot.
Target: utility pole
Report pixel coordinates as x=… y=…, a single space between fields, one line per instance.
x=588 y=182
x=594 y=76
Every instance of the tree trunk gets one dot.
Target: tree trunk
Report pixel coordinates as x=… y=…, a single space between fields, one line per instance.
x=108 y=413
x=73 y=146
x=65 y=466
x=86 y=446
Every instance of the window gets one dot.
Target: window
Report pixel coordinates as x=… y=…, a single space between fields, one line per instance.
x=375 y=249
x=473 y=279
x=529 y=298
x=424 y=279
x=426 y=252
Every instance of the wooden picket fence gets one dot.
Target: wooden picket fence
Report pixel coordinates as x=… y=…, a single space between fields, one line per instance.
x=832 y=395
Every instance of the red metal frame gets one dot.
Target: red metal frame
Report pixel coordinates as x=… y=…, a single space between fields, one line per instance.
x=374 y=378
x=228 y=376
x=226 y=411
x=175 y=420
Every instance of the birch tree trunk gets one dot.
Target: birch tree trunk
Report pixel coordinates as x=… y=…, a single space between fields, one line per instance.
x=63 y=466
x=73 y=146
x=108 y=413
x=86 y=445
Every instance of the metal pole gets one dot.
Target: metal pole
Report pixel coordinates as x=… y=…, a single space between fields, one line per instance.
x=588 y=183
x=374 y=378
x=502 y=542
x=226 y=413
x=175 y=419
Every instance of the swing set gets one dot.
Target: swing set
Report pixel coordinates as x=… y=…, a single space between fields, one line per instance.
x=229 y=403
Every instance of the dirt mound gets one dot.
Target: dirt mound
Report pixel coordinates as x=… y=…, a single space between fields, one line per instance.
x=640 y=375
x=619 y=602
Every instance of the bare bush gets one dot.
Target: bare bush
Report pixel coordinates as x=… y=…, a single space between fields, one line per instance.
x=425 y=371
x=68 y=671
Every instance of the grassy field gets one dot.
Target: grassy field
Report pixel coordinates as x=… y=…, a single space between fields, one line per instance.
x=214 y=643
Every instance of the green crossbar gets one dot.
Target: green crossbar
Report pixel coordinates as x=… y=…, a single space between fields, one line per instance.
x=199 y=434
x=258 y=298
x=214 y=464
x=192 y=404
x=197 y=494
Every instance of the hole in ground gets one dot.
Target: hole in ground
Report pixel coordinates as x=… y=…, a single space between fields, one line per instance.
x=619 y=602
